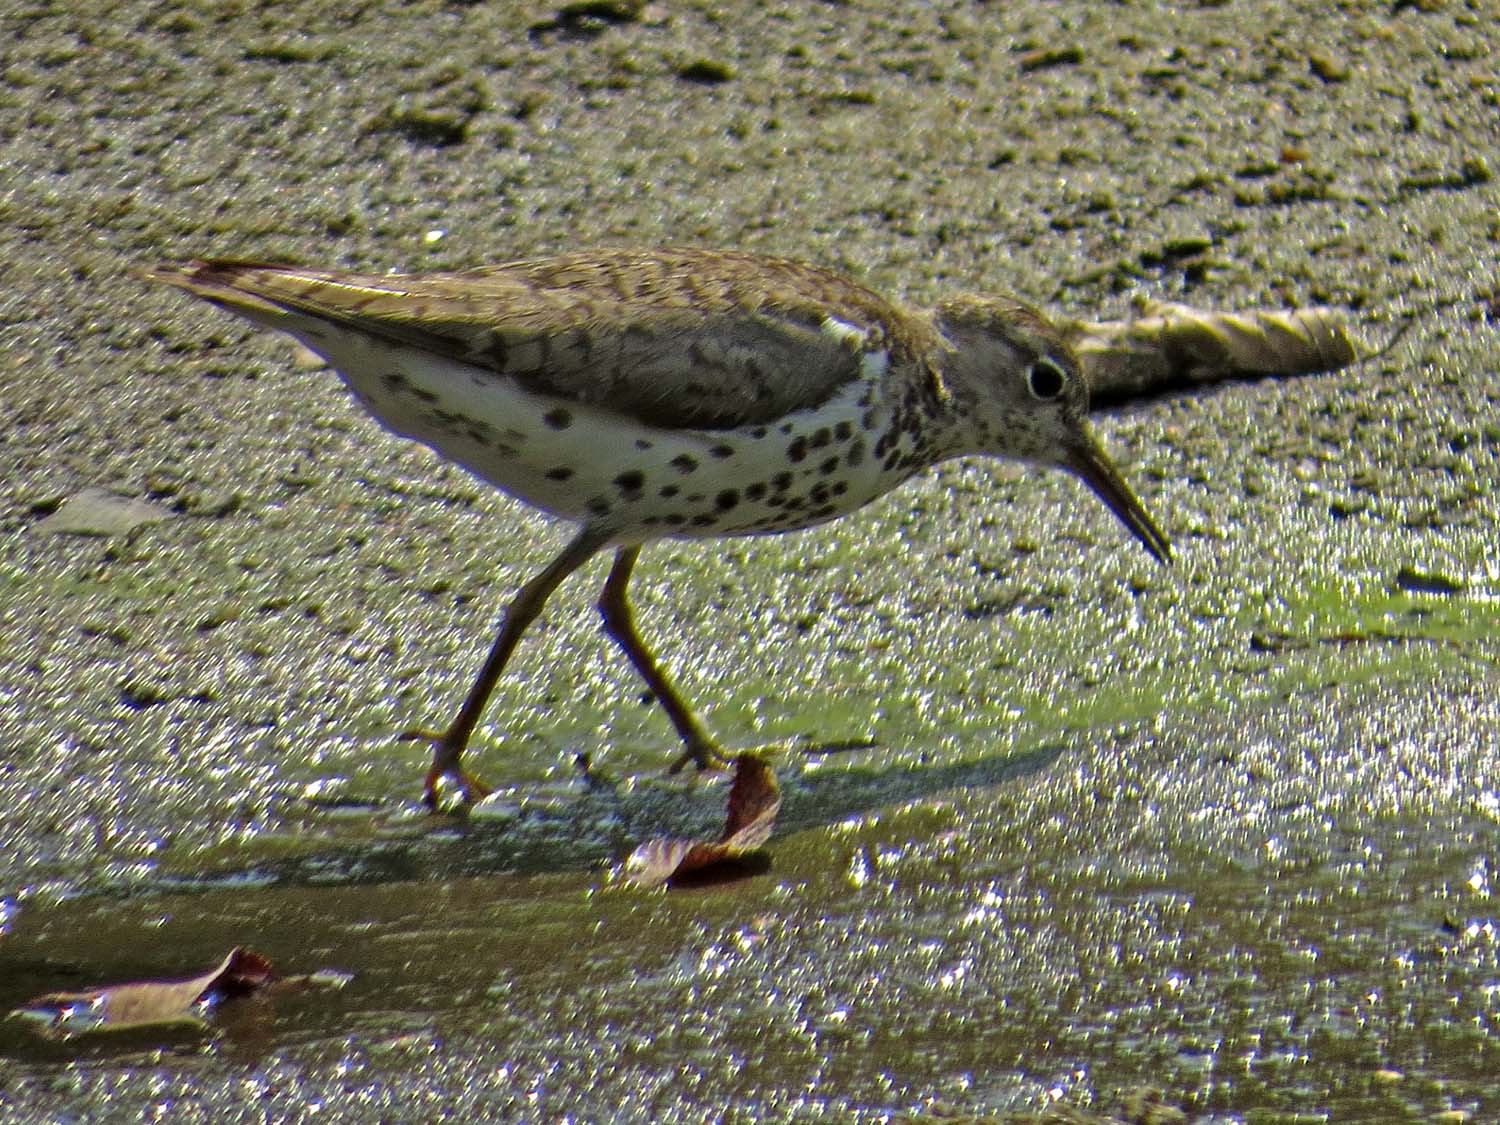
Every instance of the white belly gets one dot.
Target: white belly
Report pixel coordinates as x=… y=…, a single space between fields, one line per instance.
x=634 y=481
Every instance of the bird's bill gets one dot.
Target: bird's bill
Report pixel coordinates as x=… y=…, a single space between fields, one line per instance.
x=1091 y=463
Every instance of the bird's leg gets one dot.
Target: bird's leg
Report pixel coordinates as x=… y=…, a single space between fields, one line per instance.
x=448 y=746
x=619 y=623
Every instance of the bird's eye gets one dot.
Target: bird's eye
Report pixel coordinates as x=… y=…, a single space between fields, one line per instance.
x=1046 y=378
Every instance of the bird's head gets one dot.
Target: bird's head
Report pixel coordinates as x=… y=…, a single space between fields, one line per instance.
x=1021 y=394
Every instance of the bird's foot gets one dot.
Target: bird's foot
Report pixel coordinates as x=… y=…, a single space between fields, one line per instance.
x=445 y=767
x=471 y=790
x=704 y=755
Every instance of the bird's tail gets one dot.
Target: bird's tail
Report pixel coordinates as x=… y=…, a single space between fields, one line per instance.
x=220 y=281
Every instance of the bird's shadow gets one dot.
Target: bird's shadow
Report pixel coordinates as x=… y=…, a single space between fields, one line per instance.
x=594 y=820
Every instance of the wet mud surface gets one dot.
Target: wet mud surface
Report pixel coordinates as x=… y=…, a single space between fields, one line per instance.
x=1215 y=842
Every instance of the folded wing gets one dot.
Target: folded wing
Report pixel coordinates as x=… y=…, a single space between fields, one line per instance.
x=672 y=338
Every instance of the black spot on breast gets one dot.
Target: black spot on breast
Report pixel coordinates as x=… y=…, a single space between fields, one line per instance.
x=598 y=506
x=787 y=427
x=818 y=494
x=782 y=481
x=755 y=491
x=674 y=520
x=562 y=472
x=721 y=451
x=684 y=463
x=642 y=443
x=797 y=450
x=821 y=437
x=843 y=431
x=822 y=513
x=828 y=466
x=668 y=491
x=892 y=459
x=630 y=483
x=727 y=499
x=704 y=520
x=558 y=419
x=759 y=432
x=839 y=488
x=856 y=453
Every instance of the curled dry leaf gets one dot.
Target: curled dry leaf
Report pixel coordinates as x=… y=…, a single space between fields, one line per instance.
x=62 y=1015
x=754 y=801
x=1171 y=346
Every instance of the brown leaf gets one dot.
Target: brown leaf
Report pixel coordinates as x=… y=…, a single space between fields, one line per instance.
x=754 y=801
x=149 y=1003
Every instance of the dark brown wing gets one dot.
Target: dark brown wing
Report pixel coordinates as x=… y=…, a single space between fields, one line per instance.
x=674 y=338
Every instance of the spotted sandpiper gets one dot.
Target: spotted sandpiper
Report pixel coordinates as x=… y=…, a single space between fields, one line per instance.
x=653 y=394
